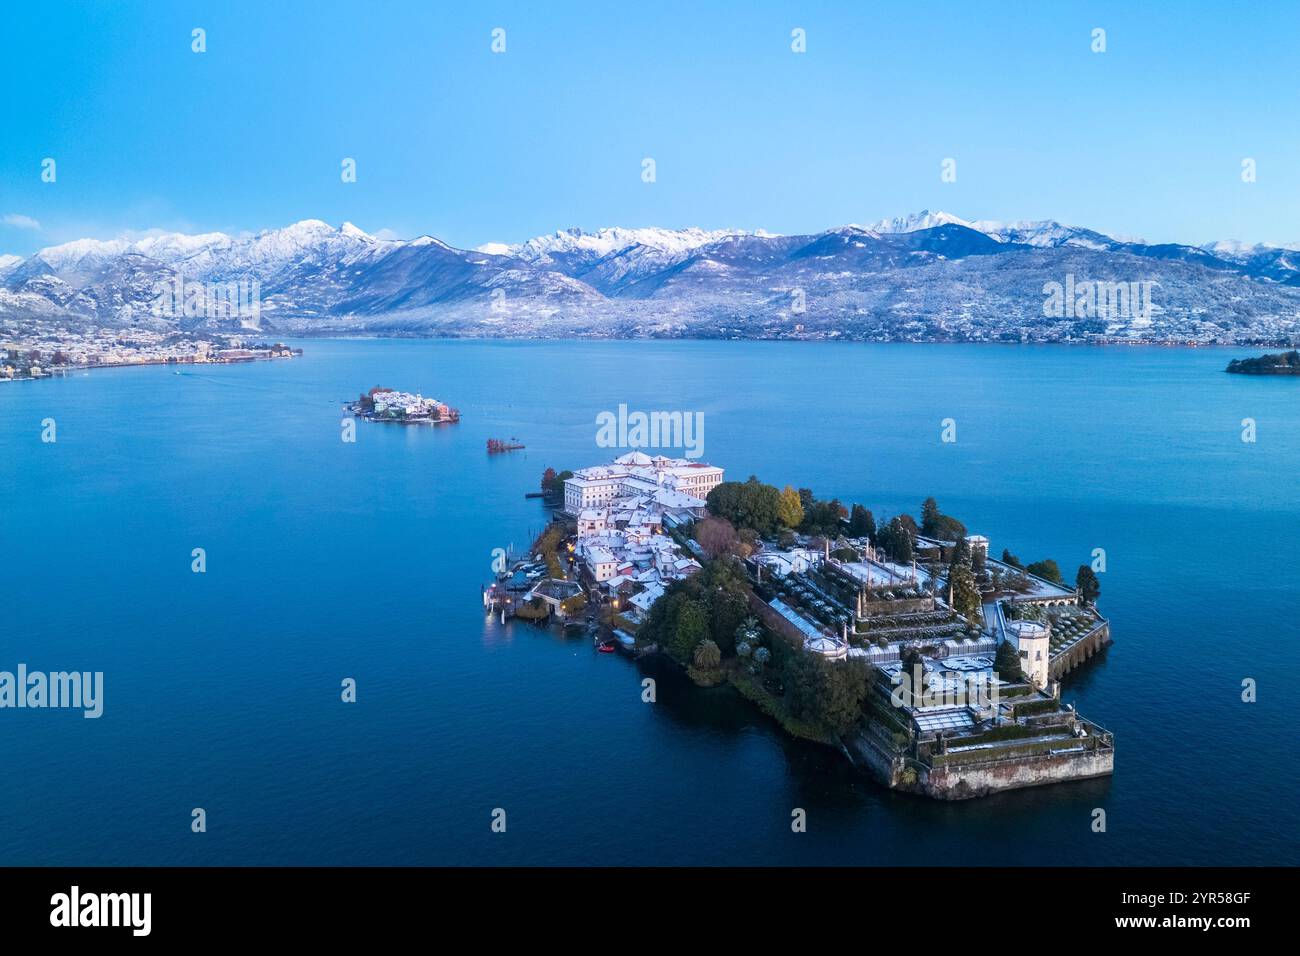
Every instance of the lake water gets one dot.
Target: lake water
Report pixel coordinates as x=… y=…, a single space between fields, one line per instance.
x=328 y=560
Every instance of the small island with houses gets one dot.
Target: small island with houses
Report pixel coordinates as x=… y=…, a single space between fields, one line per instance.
x=1279 y=363
x=902 y=643
x=405 y=408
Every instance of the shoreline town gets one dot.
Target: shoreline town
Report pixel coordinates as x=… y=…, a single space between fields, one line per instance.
x=930 y=665
x=54 y=354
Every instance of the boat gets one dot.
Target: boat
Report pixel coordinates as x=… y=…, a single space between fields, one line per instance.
x=497 y=445
x=605 y=648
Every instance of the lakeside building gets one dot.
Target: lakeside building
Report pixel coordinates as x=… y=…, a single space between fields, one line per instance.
x=613 y=559
x=676 y=482
x=621 y=512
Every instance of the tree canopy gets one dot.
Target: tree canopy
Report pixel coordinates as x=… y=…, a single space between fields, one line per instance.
x=747 y=504
x=790 y=509
x=1087 y=583
x=712 y=603
x=862 y=523
x=829 y=693
x=965 y=595
x=897 y=539
x=1046 y=568
x=1007 y=662
x=935 y=524
x=715 y=535
x=823 y=517
x=554 y=484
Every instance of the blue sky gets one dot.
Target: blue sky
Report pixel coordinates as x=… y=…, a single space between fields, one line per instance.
x=1146 y=139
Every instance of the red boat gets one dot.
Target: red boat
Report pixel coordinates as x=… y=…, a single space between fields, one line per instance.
x=606 y=648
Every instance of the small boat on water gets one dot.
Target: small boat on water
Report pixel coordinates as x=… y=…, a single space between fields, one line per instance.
x=605 y=648
x=497 y=445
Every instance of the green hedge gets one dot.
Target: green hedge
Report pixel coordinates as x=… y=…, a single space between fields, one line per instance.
x=1030 y=708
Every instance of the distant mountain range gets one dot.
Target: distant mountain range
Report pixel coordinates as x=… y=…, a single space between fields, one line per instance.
x=929 y=276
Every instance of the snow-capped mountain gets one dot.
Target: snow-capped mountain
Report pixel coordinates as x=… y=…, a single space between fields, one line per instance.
x=569 y=243
x=1237 y=250
x=215 y=255
x=928 y=275
x=916 y=222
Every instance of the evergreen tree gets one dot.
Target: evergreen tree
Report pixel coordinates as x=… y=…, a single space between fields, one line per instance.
x=1007 y=662
x=1046 y=568
x=827 y=693
x=929 y=514
x=692 y=626
x=900 y=540
x=946 y=528
x=823 y=517
x=1088 y=585
x=862 y=524
x=965 y=595
x=747 y=504
x=1011 y=559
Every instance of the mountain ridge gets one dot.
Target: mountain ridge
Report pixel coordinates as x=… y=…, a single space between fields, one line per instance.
x=923 y=276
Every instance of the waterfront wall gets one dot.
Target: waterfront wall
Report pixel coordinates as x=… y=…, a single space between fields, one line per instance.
x=880 y=761
x=1080 y=652
x=964 y=782
x=875 y=755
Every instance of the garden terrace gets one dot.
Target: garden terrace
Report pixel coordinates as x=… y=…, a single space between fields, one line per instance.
x=920 y=619
x=814 y=603
x=942 y=631
x=822 y=597
x=1070 y=624
x=835 y=583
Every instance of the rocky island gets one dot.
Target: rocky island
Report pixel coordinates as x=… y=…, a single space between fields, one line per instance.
x=1280 y=363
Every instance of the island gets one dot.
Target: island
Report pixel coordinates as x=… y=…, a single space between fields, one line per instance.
x=1279 y=363
x=382 y=404
x=902 y=643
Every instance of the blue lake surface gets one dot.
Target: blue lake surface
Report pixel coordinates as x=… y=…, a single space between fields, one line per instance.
x=328 y=560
